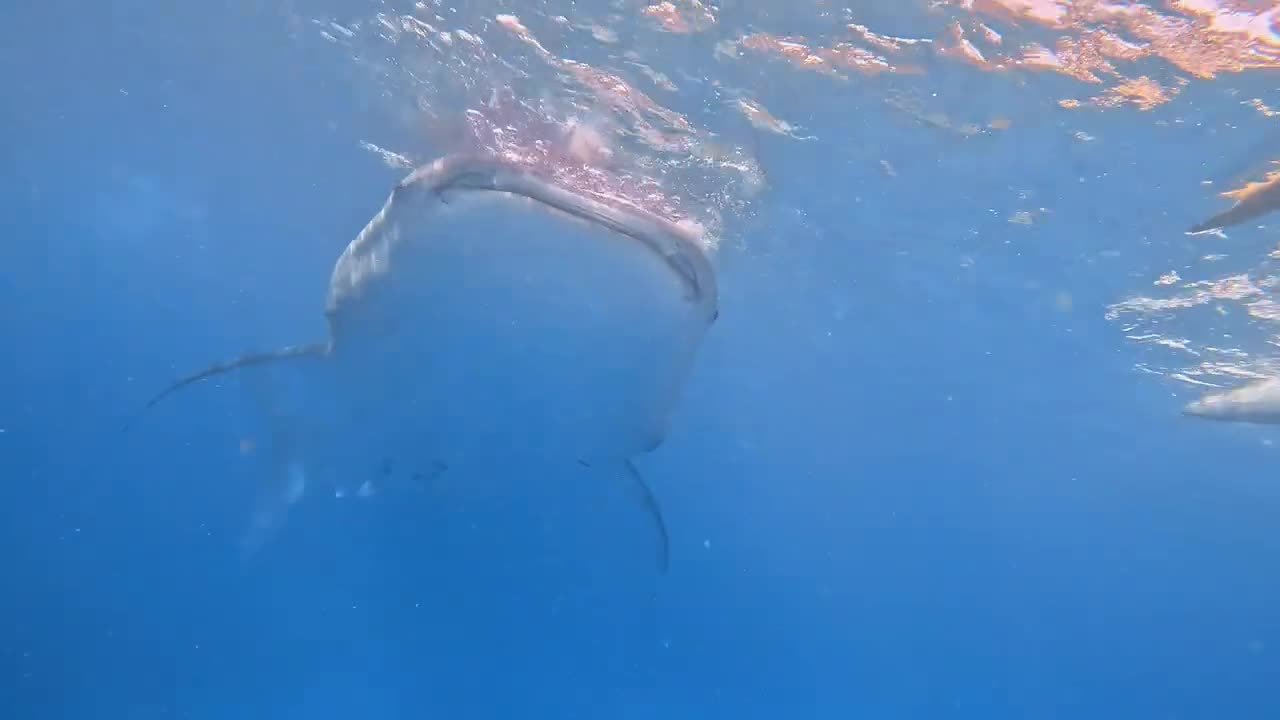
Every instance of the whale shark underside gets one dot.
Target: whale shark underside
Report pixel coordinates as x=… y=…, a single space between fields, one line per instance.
x=489 y=315
x=1257 y=402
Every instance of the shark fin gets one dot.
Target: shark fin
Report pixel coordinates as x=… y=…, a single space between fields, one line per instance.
x=640 y=493
x=246 y=360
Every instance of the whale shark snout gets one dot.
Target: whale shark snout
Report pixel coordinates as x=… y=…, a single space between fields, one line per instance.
x=1258 y=402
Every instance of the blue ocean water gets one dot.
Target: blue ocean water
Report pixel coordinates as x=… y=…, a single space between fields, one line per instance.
x=906 y=479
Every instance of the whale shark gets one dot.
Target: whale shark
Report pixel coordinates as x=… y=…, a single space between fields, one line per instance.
x=1257 y=402
x=492 y=316
x=1252 y=200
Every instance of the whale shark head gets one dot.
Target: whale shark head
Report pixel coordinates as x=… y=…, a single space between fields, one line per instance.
x=1258 y=402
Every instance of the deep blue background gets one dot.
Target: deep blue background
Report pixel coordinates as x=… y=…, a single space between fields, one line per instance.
x=899 y=485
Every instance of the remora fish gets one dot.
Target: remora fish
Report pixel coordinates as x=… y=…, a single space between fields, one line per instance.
x=1257 y=402
x=541 y=323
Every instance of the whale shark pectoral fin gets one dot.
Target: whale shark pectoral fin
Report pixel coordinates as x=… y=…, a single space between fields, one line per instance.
x=218 y=368
x=639 y=492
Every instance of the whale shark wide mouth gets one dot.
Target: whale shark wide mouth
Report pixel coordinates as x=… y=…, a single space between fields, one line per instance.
x=408 y=223
x=491 y=314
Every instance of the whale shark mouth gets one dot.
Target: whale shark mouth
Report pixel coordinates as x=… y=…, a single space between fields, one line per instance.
x=490 y=314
